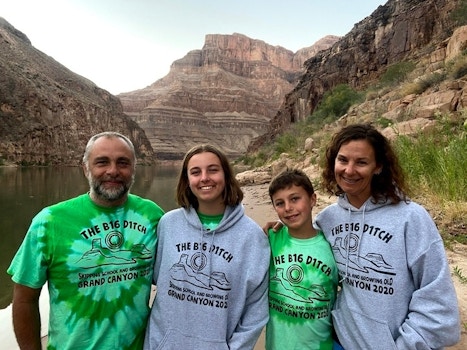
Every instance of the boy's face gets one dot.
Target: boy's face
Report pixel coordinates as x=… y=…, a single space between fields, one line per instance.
x=293 y=206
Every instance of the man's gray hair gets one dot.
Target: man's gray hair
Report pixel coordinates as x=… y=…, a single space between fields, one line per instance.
x=109 y=135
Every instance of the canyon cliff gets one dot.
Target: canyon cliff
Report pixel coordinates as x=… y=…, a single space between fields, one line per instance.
x=401 y=30
x=48 y=113
x=225 y=94
x=235 y=92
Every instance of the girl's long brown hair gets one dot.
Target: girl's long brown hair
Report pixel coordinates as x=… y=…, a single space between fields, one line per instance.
x=233 y=194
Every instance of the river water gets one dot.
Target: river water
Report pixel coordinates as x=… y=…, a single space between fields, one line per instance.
x=25 y=191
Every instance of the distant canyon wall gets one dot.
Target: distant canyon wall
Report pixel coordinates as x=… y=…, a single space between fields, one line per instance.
x=224 y=94
x=48 y=113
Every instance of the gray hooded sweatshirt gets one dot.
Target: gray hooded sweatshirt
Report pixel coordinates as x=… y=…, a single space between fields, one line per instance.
x=211 y=285
x=397 y=292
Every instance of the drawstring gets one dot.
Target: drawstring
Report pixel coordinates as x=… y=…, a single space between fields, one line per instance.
x=209 y=248
x=200 y=247
x=347 y=242
x=210 y=255
x=361 y=232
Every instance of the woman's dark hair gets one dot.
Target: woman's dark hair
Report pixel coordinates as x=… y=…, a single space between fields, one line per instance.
x=233 y=194
x=389 y=184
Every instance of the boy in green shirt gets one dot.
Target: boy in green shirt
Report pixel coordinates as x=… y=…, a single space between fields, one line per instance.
x=302 y=274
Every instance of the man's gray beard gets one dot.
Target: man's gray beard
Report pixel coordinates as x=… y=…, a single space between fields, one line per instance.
x=109 y=195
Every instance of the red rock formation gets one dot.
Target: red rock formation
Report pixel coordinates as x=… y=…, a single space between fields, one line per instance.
x=399 y=30
x=224 y=94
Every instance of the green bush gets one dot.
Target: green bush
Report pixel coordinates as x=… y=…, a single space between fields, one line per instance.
x=384 y=122
x=459 y=15
x=436 y=161
x=397 y=73
x=432 y=79
x=422 y=84
x=458 y=67
x=254 y=160
x=286 y=143
x=336 y=103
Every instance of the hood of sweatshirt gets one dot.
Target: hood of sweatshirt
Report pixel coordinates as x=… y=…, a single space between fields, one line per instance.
x=369 y=205
x=232 y=215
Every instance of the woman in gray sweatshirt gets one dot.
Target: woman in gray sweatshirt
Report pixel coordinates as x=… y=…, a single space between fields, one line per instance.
x=397 y=292
x=212 y=263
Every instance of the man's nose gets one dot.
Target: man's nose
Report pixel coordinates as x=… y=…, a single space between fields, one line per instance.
x=112 y=168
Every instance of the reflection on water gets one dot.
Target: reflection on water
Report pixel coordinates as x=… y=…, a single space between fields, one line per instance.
x=25 y=191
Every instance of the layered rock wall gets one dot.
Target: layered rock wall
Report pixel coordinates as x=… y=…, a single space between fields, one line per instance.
x=47 y=112
x=397 y=31
x=225 y=94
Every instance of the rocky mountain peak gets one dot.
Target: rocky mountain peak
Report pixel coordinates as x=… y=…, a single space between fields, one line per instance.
x=224 y=93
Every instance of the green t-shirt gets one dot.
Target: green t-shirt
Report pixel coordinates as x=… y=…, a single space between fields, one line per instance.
x=98 y=264
x=210 y=222
x=303 y=282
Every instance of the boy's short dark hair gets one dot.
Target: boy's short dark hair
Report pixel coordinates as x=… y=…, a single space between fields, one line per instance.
x=289 y=178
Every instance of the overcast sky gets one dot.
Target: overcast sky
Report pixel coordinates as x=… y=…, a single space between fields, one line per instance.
x=125 y=45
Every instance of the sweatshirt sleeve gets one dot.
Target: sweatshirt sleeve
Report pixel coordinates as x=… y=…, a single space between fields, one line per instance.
x=256 y=309
x=433 y=317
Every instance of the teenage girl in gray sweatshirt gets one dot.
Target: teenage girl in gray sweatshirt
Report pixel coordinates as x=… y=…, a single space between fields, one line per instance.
x=397 y=292
x=212 y=263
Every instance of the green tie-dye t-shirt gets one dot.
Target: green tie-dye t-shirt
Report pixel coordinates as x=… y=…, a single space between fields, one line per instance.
x=98 y=264
x=302 y=290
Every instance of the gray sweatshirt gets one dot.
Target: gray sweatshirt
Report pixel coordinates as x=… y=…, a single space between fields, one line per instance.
x=211 y=285
x=397 y=292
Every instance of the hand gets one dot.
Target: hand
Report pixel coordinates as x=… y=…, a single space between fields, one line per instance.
x=275 y=225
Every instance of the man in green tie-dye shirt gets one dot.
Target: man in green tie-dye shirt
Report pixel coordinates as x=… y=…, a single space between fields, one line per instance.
x=96 y=253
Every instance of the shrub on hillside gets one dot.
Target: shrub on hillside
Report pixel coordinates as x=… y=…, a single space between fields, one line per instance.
x=336 y=102
x=459 y=15
x=422 y=84
x=397 y=73
x=435 y=161
x=458 y=67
